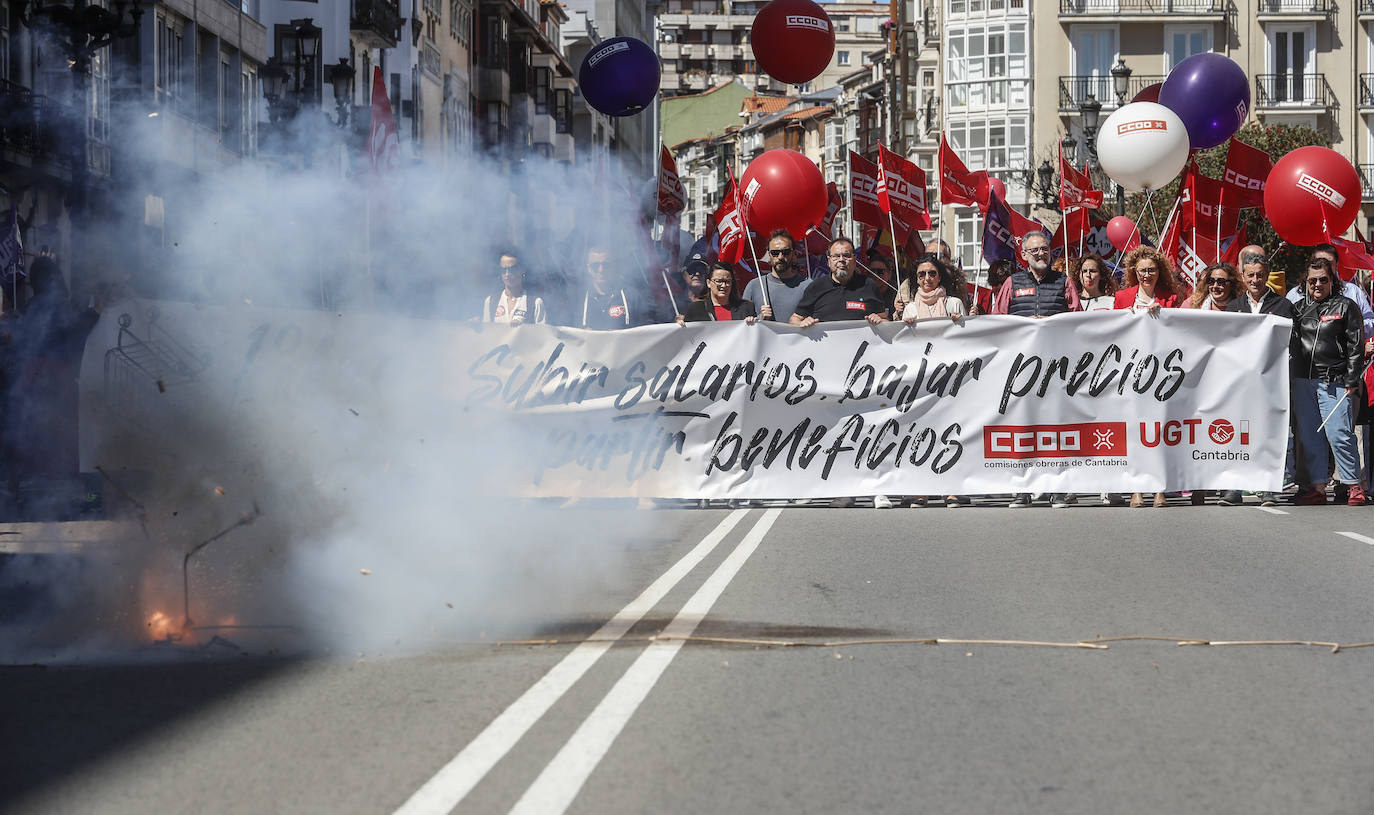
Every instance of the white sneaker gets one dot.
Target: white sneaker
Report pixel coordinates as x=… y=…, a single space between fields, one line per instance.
x=882 y=502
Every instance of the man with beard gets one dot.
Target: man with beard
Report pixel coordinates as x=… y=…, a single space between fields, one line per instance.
x=785 y=282
x=843 y=295
x=1037 y=291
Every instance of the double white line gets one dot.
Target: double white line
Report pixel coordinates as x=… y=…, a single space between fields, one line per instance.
x=556 y=787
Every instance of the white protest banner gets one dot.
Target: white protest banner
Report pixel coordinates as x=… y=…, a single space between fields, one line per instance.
x=1103 y=401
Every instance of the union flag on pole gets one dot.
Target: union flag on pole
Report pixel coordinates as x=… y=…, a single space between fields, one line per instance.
x=957 y=184
x=384 y=141
x=1075 y=188
x=671 y=197
x=902 y=189
x=730 y=226
x=863 y=191
x=1247 y=168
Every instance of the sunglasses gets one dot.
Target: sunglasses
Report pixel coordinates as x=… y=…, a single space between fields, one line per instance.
x=1218 y=281
x=779 y=252
x=1319 y=281
x=927 y=273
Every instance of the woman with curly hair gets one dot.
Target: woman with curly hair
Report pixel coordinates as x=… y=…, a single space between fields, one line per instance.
x=1096 y=286
x=1219 y=284
x=935 y=293
x=1149 y=282
x=1150 y=286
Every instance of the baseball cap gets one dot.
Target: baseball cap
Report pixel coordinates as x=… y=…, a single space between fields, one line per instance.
x=697 y=259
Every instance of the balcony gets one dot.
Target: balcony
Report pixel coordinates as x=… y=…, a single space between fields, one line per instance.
x=728 y=51
x=1295 y=9
x=1174 y=10
x=1366 y=89
x=694 y=50
x=1366 y=176
x=1306 y=93
x=669 y=50
x=1075 y=90
x=376 y=23
x=1366 y=10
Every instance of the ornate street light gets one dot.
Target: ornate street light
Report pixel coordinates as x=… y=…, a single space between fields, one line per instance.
x=1121 y=80
x=1091 y=110
x=341 y=77
x=82 y=28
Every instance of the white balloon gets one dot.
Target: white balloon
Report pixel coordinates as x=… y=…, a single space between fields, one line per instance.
x=1142 y=146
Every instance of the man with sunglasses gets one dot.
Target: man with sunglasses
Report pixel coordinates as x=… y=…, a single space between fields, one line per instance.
x=607 y=304
x=1327 y=361
x=785 y=282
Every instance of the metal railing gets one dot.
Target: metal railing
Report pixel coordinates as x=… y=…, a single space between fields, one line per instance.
x=1296 y=6
x=1366 y=175
x=1150 y=6
x=1293 y=90
x=1366 y=90
x=380 y=17
x=1075 y=90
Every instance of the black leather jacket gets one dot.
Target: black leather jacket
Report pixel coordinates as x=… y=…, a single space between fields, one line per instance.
x=1328 y=341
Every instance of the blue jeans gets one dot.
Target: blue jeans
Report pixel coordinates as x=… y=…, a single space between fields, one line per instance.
x=1313 y=400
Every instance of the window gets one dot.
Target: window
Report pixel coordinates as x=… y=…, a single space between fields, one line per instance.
x=841 y=58
x=543 y=82
x=1094 y=53
x=1183 y=41
x=562 y=110
x=495 y=33
x=1292 y=62
x=841 y=24
x=988 y=65
x=171 y=43
x=248 y=112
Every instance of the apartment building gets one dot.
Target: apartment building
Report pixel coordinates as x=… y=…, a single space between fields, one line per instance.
x=705 y=43
x=1309 y=62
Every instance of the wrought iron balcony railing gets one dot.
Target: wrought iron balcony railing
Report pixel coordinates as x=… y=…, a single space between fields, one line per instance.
x=1293 y=90
x=1142 y=7
x=1296 y=6
x=1075 y=90
x=377 y=22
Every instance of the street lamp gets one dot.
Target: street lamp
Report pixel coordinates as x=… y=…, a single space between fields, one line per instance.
x=1121 y=80
x=1090 y=109
x=341 y=78
x=1069 y=147
x=1041 y=183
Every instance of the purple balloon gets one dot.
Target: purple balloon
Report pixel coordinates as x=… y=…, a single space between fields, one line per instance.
x=1211 y=94
x=619 y=77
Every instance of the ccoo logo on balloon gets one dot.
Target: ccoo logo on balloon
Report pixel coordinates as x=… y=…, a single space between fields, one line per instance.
x=606 y=52
x=804 y=21
x=1321 y=189
x=1141 y=124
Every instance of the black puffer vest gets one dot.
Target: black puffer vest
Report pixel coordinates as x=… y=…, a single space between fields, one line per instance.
x=1032 y=298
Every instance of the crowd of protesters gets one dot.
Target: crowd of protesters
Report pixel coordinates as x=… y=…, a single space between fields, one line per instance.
x=1332 y=337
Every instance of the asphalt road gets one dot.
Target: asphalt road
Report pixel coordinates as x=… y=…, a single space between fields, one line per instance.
x=721 y=724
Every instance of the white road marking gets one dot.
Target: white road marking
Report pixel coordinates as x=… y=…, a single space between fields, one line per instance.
x=1272 y=510
x=1355 y=536
x=556 y=787
x=456 y=779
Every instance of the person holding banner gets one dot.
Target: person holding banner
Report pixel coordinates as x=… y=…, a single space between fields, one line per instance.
x=1327 y=362
x=514 y=305
x=720 y=303
x=1096 y=287
x=841 y=296
x=1038 y=290
x=605 y=303
x=785 y=283
x=1149 y=281
x=932 y=296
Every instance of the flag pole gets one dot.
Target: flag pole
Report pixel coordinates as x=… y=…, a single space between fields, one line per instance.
x=664 y=271
x=891 y=224
x=758 y=270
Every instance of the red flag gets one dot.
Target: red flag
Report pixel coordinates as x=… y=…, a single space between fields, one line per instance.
x=957 y=184
x=902 y=189
x=1353 y=258
x=384 y=141
x=731 y=229
x=1075 y=188
x=915 y=245
x=863 y=191
x=1072 y=229
x=1232 y=254
x=1201 y=206
x=1246 y=170
x=671 y=197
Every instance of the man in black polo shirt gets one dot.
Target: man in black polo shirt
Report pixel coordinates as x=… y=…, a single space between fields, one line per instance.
x=608 y=303
x=841 y=296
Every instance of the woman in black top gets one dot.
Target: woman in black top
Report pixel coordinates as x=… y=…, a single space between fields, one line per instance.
x=721 y=302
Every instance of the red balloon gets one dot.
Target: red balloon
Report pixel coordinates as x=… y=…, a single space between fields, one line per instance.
x=1149 y=93
x=792 y=40
x=782 y=189
x=1123 y=234
x=1312 y=193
